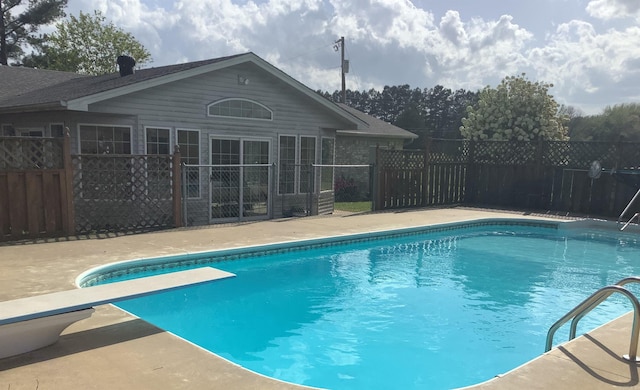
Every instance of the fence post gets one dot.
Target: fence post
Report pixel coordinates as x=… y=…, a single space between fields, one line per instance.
x=69 y=220
x=176 y=177
x=377 y=201
x=425 y=173
x=471 y=178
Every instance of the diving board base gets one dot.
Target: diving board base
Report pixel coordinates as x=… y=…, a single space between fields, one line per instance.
x=25 y=336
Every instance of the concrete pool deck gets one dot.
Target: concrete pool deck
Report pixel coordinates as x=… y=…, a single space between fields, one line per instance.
x=114 y=350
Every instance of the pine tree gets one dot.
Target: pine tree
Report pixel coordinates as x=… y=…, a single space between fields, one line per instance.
x=16 y=29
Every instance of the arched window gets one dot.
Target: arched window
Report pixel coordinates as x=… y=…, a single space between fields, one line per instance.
x=239 y=108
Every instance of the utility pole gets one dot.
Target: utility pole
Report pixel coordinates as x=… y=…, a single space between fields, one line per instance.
x=344 y=68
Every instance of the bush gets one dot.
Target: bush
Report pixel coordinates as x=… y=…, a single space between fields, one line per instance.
x=346 y=190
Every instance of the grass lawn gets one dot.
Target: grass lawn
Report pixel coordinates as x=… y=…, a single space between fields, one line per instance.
x=354 y=207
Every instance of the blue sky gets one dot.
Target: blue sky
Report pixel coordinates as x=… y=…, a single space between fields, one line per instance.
x=589 y=49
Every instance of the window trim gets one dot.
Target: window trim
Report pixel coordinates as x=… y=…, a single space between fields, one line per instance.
x=199 y=132
x=296 y=153
x=50 y=128
x=315 y=159
x=172 y=138
x=131 y=138
x=333 y=171
x=239 y=117
x=9 y=127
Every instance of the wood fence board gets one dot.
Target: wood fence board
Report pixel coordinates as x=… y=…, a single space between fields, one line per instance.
x=52 y=202
x=18 y=200
x=5 y=225
x=35 y=208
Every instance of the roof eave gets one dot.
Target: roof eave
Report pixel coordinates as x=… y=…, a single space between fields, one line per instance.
x=357 y=133
x=49 y=106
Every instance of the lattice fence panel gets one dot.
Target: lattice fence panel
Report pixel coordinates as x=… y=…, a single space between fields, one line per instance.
x=401 y=159
x=23 y=153
x=580 y=155
x=122 y=193
x=504 y=153
x=448 y=151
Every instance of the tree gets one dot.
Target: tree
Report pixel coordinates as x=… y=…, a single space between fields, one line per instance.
x=411 y=120
x=87 y=45
x=517 y=109
x=435 y=112
x=15 y=30
x=620 y=123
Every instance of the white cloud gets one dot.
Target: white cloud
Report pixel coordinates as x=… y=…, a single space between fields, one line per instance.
x=469 y=55
x=393 y=42
x=587 y=66
x=614 y=9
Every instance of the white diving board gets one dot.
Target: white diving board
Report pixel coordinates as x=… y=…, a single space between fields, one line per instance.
x=35 y=322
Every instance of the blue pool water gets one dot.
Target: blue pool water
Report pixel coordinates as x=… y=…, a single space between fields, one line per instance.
x=437 y=310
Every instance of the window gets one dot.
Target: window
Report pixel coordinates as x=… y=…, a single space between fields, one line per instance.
x=27 y=132
x=106 y=178
x=56 y=130
x=158 y=177
x=105 y=139
x=158 y=141
x=287 y=164
x=307 y=157
x=189 y=141
x=239 y=108
x=7 y=131
x=328 y=145
x=296 y=155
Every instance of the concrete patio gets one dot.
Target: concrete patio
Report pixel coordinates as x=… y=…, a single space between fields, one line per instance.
x=114 y=350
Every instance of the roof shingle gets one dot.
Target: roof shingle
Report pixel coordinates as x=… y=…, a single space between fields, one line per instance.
x=26 y=86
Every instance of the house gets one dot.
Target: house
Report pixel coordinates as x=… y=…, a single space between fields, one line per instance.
x=248 y=134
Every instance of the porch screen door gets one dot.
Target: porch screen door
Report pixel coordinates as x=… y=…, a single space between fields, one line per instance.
x=239 y=179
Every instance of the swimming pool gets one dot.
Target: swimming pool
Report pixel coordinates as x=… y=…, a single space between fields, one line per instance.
x=406 y=309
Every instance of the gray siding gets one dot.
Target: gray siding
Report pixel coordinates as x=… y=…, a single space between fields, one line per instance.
x=182 y=104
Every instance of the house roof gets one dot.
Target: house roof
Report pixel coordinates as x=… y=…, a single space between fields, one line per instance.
x=374 y=126
x=29 y=90
x=71 y=91
x=17 y=80
x=34 y=89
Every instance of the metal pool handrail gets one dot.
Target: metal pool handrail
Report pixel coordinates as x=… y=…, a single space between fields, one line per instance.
x=589 y=303
x=631 y=202
x=578 y=317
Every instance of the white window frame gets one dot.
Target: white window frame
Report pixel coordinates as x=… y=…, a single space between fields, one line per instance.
x=239 y=117
x=296 y=150
x=78 y=132
x=146 y=147
x=172 y=138
x=178 y=130
x=131 y=143
x=333 y=171
x=6 y=127
x=56 y=124
x=24 y=131
x=315 y=159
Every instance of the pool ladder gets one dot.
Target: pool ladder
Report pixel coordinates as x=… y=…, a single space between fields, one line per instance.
x=576 y=314
x=626 y=209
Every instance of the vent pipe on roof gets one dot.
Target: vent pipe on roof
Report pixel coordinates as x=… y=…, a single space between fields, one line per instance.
x=125 y=65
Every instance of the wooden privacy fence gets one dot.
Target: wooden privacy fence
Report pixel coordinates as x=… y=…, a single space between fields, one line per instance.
x=550 y=175
x=47 y=192
x=35 y=188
